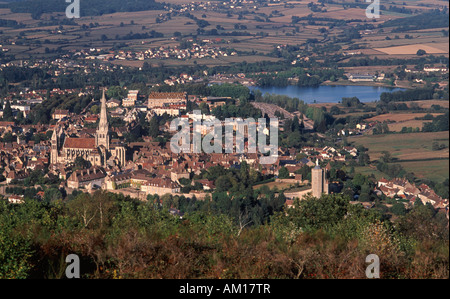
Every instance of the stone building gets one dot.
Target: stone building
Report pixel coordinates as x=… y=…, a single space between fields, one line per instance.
x=319 y=181
x=160 y=99
x=96 y=150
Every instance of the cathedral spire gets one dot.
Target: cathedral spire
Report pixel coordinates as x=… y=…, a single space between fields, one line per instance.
x=102 y=137
x=103 y=117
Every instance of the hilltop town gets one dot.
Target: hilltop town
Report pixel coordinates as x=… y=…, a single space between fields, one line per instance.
x=241 y=139
x=83 y=152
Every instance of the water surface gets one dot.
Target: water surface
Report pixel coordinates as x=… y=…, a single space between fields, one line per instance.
x=328 y=93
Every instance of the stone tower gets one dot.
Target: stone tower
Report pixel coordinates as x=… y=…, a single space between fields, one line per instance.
x=318 y=181
x=54 y=149
x=102 y=136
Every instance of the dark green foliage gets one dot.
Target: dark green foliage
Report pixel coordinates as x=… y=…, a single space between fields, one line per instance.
x=95 y=7
x=119 y=237
x=407 y=95
x=432 y=19
x=244 y=110
x=439 y=123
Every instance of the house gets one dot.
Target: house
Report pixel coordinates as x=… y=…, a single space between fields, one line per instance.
x=113 y=103
x=91 y=119
x=16 y=199
x=127 y=102
x=158 y=99
x=207 y=185
x=361 y=77
x=60 y=114
x=160 y=186
x=91 y=178
x=402 y=188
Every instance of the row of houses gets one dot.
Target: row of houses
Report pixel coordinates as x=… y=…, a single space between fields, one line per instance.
x=402 y=188
x=140 y=179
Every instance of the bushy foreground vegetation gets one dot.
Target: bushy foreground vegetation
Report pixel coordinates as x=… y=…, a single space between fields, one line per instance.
x=118 y=237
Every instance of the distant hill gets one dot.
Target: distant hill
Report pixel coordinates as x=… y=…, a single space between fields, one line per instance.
x=433 y=19
x=87 y=8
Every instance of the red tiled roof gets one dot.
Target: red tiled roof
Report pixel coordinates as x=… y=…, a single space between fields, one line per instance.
x=61 y=111
x=85 y=143
x=167 y=95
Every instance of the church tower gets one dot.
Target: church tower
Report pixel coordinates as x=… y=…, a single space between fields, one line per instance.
x=102 y=136
x=318 y=181
x=54 y=149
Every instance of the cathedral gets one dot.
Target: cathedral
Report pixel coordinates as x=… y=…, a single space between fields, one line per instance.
x=98 y=150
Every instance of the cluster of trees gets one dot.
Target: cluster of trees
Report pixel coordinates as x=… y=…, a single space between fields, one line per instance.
x=392 y=170
x=432 y=19
x=322 y=119
x=95 y=7
x=131 y=35
x=351 y=102
x=118 y=237
x=290 y=104
x=407 y=95
x=436 y=146
x=381 y=128
x=367 y=61
x=310 y=77
x=11 y=23
x=243 y=110
x=439 y=123
x=294 y=134
x=234 y=91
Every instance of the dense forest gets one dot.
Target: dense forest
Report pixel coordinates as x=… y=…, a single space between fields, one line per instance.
x=241 y=230
x=118 y=237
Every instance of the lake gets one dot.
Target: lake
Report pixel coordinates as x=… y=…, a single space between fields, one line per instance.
x=328 y=93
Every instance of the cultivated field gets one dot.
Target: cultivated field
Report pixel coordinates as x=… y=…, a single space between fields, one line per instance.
x=413 y=151
x=397 y=127
x=407 y=146
x=412 y=49
x=435 y=170
x=426 y=104
x=399 y=117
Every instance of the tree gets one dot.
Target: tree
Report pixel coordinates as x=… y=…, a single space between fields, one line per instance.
x=7 y=111
x=398 y=209
x=81 y=163
x=223 y=183
x=83 y=209
x=386 y=157
x=15 y=255
x=365 y=193
x=421 y=52
x=312 y=214
x=95 y=109
x=153 y=128
x=283 y=173
x=52 y=194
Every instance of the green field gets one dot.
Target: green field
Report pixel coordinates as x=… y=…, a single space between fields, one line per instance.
x=410 y=146
x=413 y=151
x=367 y=171
x=435 y=170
